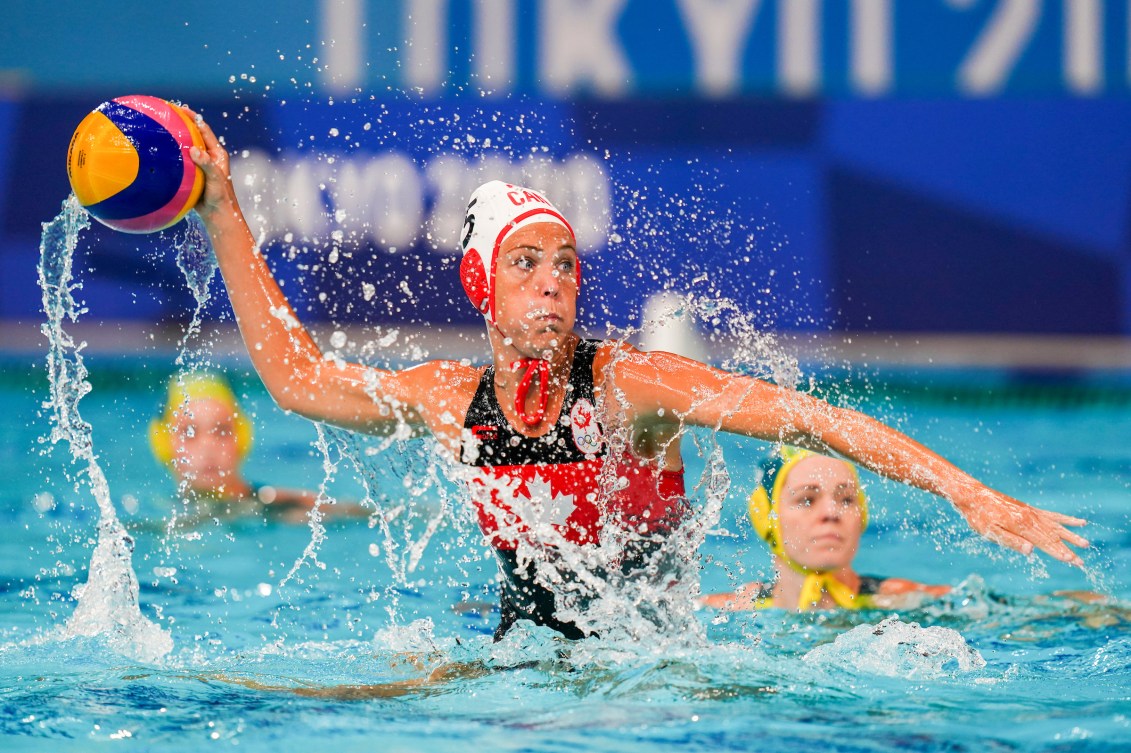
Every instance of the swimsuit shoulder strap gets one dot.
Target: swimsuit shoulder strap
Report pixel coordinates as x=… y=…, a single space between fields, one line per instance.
x=870 y=585
x=484 y=409
x=581 y=371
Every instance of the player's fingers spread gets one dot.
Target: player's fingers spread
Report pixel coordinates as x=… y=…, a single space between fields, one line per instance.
x=1068 y=520
x=1061 y=552
x=1053 y=535
x=1006 y=538
x=1075 y=539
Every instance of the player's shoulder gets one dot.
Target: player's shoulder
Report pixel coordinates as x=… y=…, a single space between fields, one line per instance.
x=439 y=381
x=892 y=586
x=448 y=371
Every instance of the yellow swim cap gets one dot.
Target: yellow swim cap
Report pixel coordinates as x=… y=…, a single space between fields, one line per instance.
x=761 y=506
x=196 y=386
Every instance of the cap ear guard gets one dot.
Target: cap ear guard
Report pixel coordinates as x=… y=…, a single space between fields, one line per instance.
x=862 y=501
x=161 y=441
x=762 y=503
x=474 y=279
x=764 y=520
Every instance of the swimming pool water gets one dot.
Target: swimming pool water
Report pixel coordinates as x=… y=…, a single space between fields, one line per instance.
x=1000 y=665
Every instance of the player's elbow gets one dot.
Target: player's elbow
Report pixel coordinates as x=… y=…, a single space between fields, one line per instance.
x=293 y=391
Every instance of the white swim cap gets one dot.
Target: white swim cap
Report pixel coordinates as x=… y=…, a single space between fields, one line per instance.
x=495 y=211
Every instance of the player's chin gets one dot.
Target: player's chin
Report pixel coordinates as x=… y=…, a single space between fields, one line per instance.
x=828 y=559
x=548 y=330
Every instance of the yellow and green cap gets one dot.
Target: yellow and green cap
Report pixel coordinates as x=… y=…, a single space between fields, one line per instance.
x=184 y=388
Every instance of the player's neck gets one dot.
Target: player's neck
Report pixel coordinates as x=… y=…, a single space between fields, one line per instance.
x=787 y=587
x=506 y=353
x=519 y=381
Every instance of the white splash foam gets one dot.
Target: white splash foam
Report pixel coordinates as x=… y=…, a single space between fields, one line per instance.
x=893 y=648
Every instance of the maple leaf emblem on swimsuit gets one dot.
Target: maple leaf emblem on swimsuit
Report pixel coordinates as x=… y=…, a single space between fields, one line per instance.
x=586 y=431
x=544 y=506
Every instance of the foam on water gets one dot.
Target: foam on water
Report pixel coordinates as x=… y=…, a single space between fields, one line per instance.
x=893 y=648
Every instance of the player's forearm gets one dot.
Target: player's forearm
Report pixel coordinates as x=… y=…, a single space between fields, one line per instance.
x=279 y=345
x=894 y=455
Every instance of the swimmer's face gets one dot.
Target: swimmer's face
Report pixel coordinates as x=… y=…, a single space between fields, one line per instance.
x=536 y=287
x=819 y=513
x=206 y=456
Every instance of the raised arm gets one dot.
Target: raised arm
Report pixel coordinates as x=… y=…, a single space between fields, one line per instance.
x=289 y=362
x=661 y=383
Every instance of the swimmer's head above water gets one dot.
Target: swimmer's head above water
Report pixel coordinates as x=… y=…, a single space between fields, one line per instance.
x=765 y=504
x=202 y=434
x=811 y=510
x=520 y=270
x=495 y=213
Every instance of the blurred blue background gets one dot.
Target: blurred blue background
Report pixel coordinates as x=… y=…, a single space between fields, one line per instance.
x=853 y=165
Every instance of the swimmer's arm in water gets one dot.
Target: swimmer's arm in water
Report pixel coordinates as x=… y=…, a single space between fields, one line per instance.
x=683 y=390
x=290 y=363
x=897 y=586
x=745 y=599
x=438 y=677
x=294 y=505
x=894 y=593
x=901 y=593
x=1084 y=597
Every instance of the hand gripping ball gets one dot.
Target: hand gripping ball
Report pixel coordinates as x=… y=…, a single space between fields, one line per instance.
x=129 y=164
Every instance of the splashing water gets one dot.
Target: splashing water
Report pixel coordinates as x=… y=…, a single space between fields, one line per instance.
x=108 y=601
x=317 y=529
x=635 y=588
x=653 y=603
x=198 y=264
x=893 y=648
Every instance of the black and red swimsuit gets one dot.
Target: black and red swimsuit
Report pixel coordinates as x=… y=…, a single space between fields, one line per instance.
x=548 y=488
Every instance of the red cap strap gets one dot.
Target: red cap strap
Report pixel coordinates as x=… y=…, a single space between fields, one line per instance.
x=543 y=368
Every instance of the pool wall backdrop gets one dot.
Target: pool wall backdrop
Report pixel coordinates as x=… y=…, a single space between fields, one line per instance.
x=851 y=166
x=917 y=209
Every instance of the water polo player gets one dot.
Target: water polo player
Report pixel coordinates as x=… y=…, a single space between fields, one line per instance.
x=536 y=425
x=203 y=437
x=811 y=511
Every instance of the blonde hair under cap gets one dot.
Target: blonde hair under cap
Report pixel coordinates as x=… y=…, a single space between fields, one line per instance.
x=184 y=388
x=763 y=516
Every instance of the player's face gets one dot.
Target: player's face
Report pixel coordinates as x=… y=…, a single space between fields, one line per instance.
x=536 y=288
x=206 y=451
x=819 y=514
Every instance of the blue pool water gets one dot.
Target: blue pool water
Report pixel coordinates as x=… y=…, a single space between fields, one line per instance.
x=1000 y=665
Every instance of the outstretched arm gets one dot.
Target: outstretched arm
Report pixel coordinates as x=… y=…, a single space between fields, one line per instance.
x=666 y=384
x=289 y=362
x=435 y=681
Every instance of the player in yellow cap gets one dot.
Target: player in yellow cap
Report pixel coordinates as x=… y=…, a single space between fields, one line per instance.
x=811 y=510
x=203 y=437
